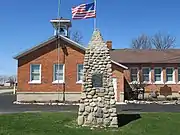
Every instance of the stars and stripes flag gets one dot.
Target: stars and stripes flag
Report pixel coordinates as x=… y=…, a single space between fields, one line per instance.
x=84 y=11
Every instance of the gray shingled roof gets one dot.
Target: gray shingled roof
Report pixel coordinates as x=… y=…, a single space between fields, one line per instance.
x=146 y=56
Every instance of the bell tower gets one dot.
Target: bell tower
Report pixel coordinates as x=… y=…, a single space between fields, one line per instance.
x=61 y=26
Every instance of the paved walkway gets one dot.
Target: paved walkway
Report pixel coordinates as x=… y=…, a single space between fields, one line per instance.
x=6 y=91
x=7 y=106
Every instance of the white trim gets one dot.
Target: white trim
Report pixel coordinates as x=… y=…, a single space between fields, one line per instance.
x=79 y=82
x=114 y=80
x=173 y=77
x=158 y=82
x=58 y=82
x=35 y=81
x=170 y=82
x=137 y=75
x=73 y=42
x=77 y=73
x=150 y=81
x=59 y=20
x=119 y=64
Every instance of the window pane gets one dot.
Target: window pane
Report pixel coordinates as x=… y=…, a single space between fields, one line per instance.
x=35 y=77
x=134 y=74
x=169 y=74
x=133 y=71
x=80 y=77
x=59 y=68
x=35 y=68
x=179 y=71
x=146 y=78
x=80 y=72
x=145 y=70
x=157 y=77
x=80 y=68
x=169 y=71
x=169 y=78
x=59 y=77
x=58 y=72
x=157 y=70
x=134 y=78
x=35 y=72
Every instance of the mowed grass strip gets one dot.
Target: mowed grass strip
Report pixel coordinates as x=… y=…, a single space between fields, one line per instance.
x=65 y=124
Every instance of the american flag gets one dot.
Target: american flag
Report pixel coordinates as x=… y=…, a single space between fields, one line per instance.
x=84 y=11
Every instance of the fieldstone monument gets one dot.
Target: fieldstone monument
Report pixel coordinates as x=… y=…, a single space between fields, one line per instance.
x=98 y=105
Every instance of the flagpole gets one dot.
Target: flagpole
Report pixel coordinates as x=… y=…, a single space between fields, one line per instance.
x=95 y=20
x=58 y=43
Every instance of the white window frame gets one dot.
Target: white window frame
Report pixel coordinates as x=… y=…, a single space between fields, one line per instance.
x=162 y=81
x=35 y=81
x=58 y=81
x=173 y=77
x=78 y=81
x=137 y=75
x=149 y=74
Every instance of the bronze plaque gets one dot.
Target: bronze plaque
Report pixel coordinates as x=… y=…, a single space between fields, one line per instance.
x=97 y=80
x=165 y=91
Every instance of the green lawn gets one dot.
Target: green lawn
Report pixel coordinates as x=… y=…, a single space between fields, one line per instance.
x=64 y=124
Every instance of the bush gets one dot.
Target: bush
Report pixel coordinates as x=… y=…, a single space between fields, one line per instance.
x=168 y=99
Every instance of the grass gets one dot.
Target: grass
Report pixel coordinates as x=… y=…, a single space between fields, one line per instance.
x=65 y=124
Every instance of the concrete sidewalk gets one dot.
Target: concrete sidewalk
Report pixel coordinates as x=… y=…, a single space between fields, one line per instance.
x=6 y=91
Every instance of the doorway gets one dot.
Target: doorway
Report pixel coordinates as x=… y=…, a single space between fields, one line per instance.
x=115 y=87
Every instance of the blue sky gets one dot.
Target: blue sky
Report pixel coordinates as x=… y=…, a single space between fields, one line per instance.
x=25 y=23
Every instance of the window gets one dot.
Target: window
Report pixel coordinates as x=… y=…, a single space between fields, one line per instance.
x=134 y=72
x=157 y=74
x=79 y=73
x=169 y=74
x=178 y=74
x=58 y=76
x=145 y=74
x=35 y=75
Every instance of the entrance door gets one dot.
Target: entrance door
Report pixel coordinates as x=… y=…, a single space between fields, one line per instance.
x=115 y=87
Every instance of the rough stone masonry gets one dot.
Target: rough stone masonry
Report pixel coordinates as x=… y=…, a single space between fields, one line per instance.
x=98 y=104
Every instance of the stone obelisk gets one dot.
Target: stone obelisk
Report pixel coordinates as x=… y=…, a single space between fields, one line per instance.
x=97 y=106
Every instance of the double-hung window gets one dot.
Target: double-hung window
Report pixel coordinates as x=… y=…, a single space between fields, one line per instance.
x=134 y=74
x=79 y=73
x=158 y=74
x=145 y=74
x=169 y=74
x=58 y=73
x=35 y=73
x=179 y=74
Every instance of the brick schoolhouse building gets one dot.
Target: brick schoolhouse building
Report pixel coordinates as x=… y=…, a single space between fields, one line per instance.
x=53 y=69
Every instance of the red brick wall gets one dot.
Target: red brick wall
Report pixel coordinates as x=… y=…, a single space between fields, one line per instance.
x=118 y=73
x=175 y=87
x=47 y=57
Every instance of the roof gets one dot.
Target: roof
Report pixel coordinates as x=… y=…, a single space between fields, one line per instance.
x=51 y=39
x=44 y=43
x=146 y=56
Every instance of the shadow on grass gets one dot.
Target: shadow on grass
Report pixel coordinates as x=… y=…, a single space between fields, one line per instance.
x=124 y=119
